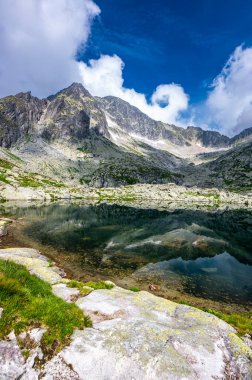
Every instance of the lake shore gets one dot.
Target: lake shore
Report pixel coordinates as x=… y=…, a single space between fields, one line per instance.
x=143 y=194
x=164 y=335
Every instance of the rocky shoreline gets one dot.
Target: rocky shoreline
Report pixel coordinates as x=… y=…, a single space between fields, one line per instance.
x=134 y=335
x=142 y=194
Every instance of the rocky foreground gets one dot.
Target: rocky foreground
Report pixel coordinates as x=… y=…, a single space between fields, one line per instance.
x=134 y=336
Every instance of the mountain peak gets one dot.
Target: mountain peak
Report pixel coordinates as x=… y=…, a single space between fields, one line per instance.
x=75 y=90
x=75 y=86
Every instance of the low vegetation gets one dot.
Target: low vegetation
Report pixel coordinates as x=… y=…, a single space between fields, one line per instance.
x=6 y=164
x=87 y=287
x=134 y=289
x=28 y=301
x=242 y=322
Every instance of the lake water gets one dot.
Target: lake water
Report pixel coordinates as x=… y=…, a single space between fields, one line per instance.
x=186 y=254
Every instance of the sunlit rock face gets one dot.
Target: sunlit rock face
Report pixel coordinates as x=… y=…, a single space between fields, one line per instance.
x=72 y=114
x=140 y=336
x=133 y=121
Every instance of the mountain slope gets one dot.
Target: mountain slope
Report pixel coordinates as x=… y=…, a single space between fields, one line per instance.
x=75 y=138
x=231 y=170
x=133 y=121
x=66 y=137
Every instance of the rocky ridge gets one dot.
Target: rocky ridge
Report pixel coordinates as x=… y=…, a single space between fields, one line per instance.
x=74 y=138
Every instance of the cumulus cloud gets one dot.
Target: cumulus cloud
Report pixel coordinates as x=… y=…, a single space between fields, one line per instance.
x=39 y=40
x=229 y=104
x=104 y=76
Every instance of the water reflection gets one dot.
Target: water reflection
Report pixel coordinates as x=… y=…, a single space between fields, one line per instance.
x=206 y=254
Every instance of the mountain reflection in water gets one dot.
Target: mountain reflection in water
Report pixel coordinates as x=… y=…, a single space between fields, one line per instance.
x=204 y=253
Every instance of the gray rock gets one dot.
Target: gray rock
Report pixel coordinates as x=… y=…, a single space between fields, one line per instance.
x=141 y=336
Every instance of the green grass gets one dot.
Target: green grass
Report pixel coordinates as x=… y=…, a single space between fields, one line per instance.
x=98 y=285
x=52 y=183
x=207 y=195
x=6 y=164
x=134 y=289
x=3 y=177
x=82 y=286
x=26 y=181
x=242 y=322
x=28 y=301
x=79 y=285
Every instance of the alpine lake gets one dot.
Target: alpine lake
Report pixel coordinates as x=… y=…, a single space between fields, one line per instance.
x=199 y=256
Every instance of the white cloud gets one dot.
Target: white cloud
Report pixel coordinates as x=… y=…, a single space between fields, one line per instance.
x=229 y=104
x=103 y=77
x=39 y=40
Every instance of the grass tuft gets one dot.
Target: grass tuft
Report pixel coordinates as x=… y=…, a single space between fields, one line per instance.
x=99 y=285
x=84 y=287
x=134 y=289
x=28 y=301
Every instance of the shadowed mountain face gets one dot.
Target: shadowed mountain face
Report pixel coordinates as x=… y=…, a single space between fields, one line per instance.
x=18 y=116
x=232 y=169
x=107 y=142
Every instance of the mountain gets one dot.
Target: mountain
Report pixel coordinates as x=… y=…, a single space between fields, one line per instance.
x=18 y=116
x=231 y=170
x=74 y=138
x=134 y=122
x=243 y=136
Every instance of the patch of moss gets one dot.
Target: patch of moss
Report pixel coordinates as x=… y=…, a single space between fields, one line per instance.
x=3 y=177
x=52 y=183
x=134 y=289
x=84 y=291
x=84 y=287
x=26 y=181
x=99 y=285
x=27 y=301
x=6 y=164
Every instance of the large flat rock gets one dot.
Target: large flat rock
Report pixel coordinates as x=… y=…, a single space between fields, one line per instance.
x=141 y=336
x=135 y=336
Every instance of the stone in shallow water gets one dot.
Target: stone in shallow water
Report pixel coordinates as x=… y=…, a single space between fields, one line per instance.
x=209 y=270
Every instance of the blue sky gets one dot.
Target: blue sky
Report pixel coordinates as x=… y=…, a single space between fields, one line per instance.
x=186 y=42
x=180 y=62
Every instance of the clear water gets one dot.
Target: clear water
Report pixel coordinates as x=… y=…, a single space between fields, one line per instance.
x=205 y=254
